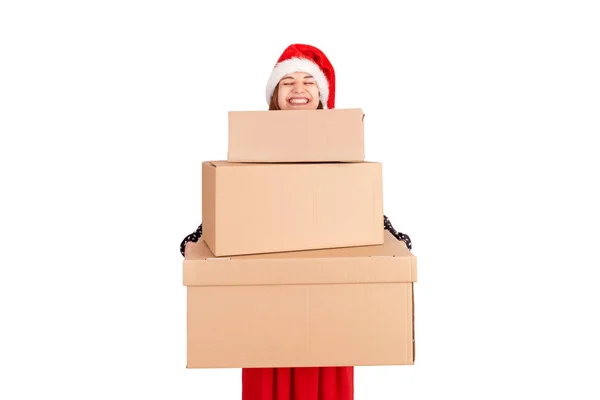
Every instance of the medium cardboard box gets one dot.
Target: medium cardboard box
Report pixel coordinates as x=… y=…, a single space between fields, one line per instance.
x=296 y=136
x=251 y=208
x=333 y=307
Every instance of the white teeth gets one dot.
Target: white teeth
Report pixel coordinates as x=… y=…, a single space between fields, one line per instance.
x=299 y=101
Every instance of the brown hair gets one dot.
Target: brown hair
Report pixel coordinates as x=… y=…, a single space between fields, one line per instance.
x=274 y=104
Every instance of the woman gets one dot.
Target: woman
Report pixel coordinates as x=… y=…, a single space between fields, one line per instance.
x=302 y=79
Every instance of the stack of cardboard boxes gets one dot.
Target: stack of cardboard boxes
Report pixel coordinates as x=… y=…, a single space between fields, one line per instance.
x=294 y=267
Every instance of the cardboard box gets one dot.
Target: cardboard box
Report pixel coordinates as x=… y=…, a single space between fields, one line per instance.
x=250 y=208
x=333 y=307
x=296 y=136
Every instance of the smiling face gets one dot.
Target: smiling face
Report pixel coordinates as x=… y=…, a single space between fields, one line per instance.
x=298 y=91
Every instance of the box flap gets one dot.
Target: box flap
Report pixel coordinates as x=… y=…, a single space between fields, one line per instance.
x=224 y=163
x=389 y=262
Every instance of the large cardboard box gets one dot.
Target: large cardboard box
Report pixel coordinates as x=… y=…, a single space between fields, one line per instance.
x=296 y=136
x=251 y=208
x=332 y=307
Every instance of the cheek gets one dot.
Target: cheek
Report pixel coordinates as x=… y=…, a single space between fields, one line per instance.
x=314 y=92
x=281 y=98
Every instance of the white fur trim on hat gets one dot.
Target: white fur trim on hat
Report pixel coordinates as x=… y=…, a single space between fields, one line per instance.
x=295 y=64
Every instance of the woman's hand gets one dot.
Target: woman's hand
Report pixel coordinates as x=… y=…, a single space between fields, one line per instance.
x=189 y=246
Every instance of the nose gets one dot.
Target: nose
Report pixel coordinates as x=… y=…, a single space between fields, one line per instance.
x=298 y=86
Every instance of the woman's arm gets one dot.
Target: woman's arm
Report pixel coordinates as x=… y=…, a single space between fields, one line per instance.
x=398 y=235
x=192 y=237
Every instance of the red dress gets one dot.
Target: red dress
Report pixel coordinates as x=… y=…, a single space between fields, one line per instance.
x=306 y=383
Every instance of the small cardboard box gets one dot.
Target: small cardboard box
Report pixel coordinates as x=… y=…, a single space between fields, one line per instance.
x=296 y=136
x=333 y=307
x=251 y=208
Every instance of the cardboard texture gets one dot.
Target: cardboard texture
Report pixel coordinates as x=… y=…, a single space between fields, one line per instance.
x=296 y=136
x=252 y=208
x=329 y=307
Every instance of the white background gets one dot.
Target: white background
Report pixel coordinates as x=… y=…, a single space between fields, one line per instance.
x=482 y=113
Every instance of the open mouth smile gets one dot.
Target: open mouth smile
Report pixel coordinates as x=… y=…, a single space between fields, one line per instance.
x=298 y=100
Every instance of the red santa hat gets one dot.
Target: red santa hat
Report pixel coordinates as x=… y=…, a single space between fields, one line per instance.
x=309 y=59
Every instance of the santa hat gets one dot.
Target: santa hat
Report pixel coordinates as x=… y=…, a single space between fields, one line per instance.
x=309 y=59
